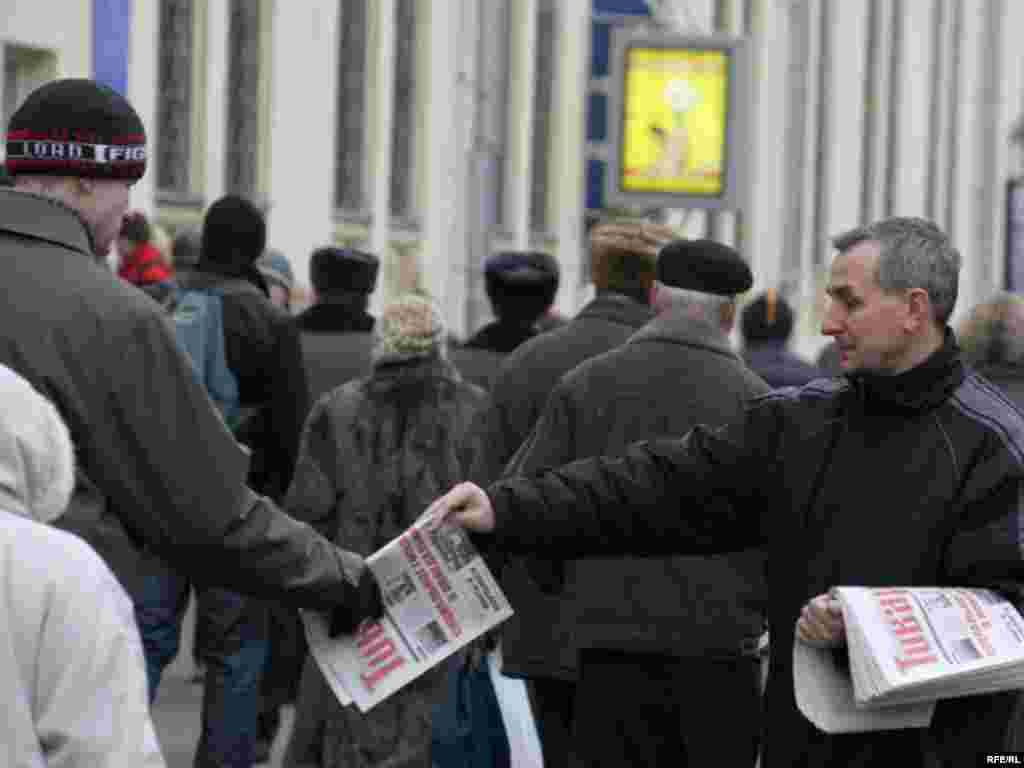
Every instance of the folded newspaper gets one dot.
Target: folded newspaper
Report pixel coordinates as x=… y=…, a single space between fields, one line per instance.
x=906 y=648
x=439 y=595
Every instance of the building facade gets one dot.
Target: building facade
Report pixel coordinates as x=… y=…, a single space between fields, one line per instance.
x=434 y=132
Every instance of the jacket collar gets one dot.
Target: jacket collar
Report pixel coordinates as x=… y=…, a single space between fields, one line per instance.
x=210 y=275
x=500 y=337
x=924 y=386
x=44 y=218
x=416 y=367
x=677 y=328
x=334 y=317
x=618 y=308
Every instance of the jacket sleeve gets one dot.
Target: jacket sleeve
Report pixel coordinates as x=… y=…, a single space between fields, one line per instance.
x=176 y=477
x=291 y=395
x=654 y=500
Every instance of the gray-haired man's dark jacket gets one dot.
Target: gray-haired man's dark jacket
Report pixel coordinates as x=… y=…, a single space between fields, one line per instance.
x=158 y=469
x=673 y=374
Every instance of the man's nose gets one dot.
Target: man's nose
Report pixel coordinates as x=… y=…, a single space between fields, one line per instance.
x=831 y=323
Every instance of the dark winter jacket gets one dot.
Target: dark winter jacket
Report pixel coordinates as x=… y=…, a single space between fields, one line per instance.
x=912 y=479
x=337 y=339
x=375 y=453
x=263 y=351
x=479 y=358
x=672 y=375
x=378 y=450
x=530 y=373
x=778 y=366
x=157 y=469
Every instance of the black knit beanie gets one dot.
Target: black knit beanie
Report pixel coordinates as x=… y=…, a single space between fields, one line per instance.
x=76 y=127
x=767 y=318
x=234 y=232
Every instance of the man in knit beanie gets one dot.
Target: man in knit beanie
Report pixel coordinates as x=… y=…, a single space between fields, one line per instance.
x=263 y=353
x=70 y=655
x=160 y=482
x=79 y=142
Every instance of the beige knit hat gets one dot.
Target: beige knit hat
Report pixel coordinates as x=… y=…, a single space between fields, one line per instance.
x=409 y=327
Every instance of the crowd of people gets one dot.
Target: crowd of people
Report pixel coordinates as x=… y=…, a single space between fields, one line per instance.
x=666 y=492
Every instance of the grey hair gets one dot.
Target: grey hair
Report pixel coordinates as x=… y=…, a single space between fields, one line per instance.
x=708 y=304
x=914 y=254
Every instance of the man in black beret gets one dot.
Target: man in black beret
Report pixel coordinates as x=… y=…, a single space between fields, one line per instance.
x=521 y=286
x=653 y=652
x=337 y=330
x=160 y=477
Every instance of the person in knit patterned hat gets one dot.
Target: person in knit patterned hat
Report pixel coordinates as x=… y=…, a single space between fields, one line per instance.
x=374 y=452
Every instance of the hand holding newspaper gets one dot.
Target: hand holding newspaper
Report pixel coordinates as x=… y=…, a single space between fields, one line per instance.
x=439 y=595
x=907 y=648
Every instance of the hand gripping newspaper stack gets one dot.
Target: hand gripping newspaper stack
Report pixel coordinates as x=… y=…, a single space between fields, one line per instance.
x=906 y=648
x=439 y=595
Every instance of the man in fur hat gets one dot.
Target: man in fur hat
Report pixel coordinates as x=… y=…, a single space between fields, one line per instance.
x=535 y=644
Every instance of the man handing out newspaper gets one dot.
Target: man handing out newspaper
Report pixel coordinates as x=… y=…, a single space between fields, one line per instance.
x=907 y=471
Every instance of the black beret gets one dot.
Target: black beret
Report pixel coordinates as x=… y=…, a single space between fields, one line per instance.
x=76 y=127
x=703 y=265
x=767 y=317
x=521 y=271
x=334 y=270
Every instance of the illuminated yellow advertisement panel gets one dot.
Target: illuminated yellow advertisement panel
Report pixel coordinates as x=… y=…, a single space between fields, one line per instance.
x=674 y=128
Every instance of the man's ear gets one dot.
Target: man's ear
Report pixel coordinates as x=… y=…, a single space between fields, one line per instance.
x=920 y=312
x=727 y=316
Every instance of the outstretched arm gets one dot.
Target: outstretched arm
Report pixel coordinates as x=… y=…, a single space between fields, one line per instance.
x=662 y=497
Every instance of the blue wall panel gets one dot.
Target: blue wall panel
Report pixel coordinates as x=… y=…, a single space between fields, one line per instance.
x=111 y=39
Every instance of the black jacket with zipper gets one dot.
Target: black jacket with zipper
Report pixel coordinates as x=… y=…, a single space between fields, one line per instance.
x=913 y=479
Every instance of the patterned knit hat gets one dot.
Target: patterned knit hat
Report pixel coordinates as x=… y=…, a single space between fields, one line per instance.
x=76 y=127
x=409 y=327
x=37 y=462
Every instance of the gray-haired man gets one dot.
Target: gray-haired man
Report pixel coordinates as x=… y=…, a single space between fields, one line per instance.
x=908 y=470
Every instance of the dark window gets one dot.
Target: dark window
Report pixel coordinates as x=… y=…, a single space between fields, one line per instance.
x=404 y=113
x=242 y=172
x=174 y=105
x=544 y=78
x=349 y=193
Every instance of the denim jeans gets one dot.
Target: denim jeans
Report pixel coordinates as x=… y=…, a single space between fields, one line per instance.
x=234 y=655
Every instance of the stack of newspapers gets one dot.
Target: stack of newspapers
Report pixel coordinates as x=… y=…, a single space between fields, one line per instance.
x=439 y=595
x=906 y=648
